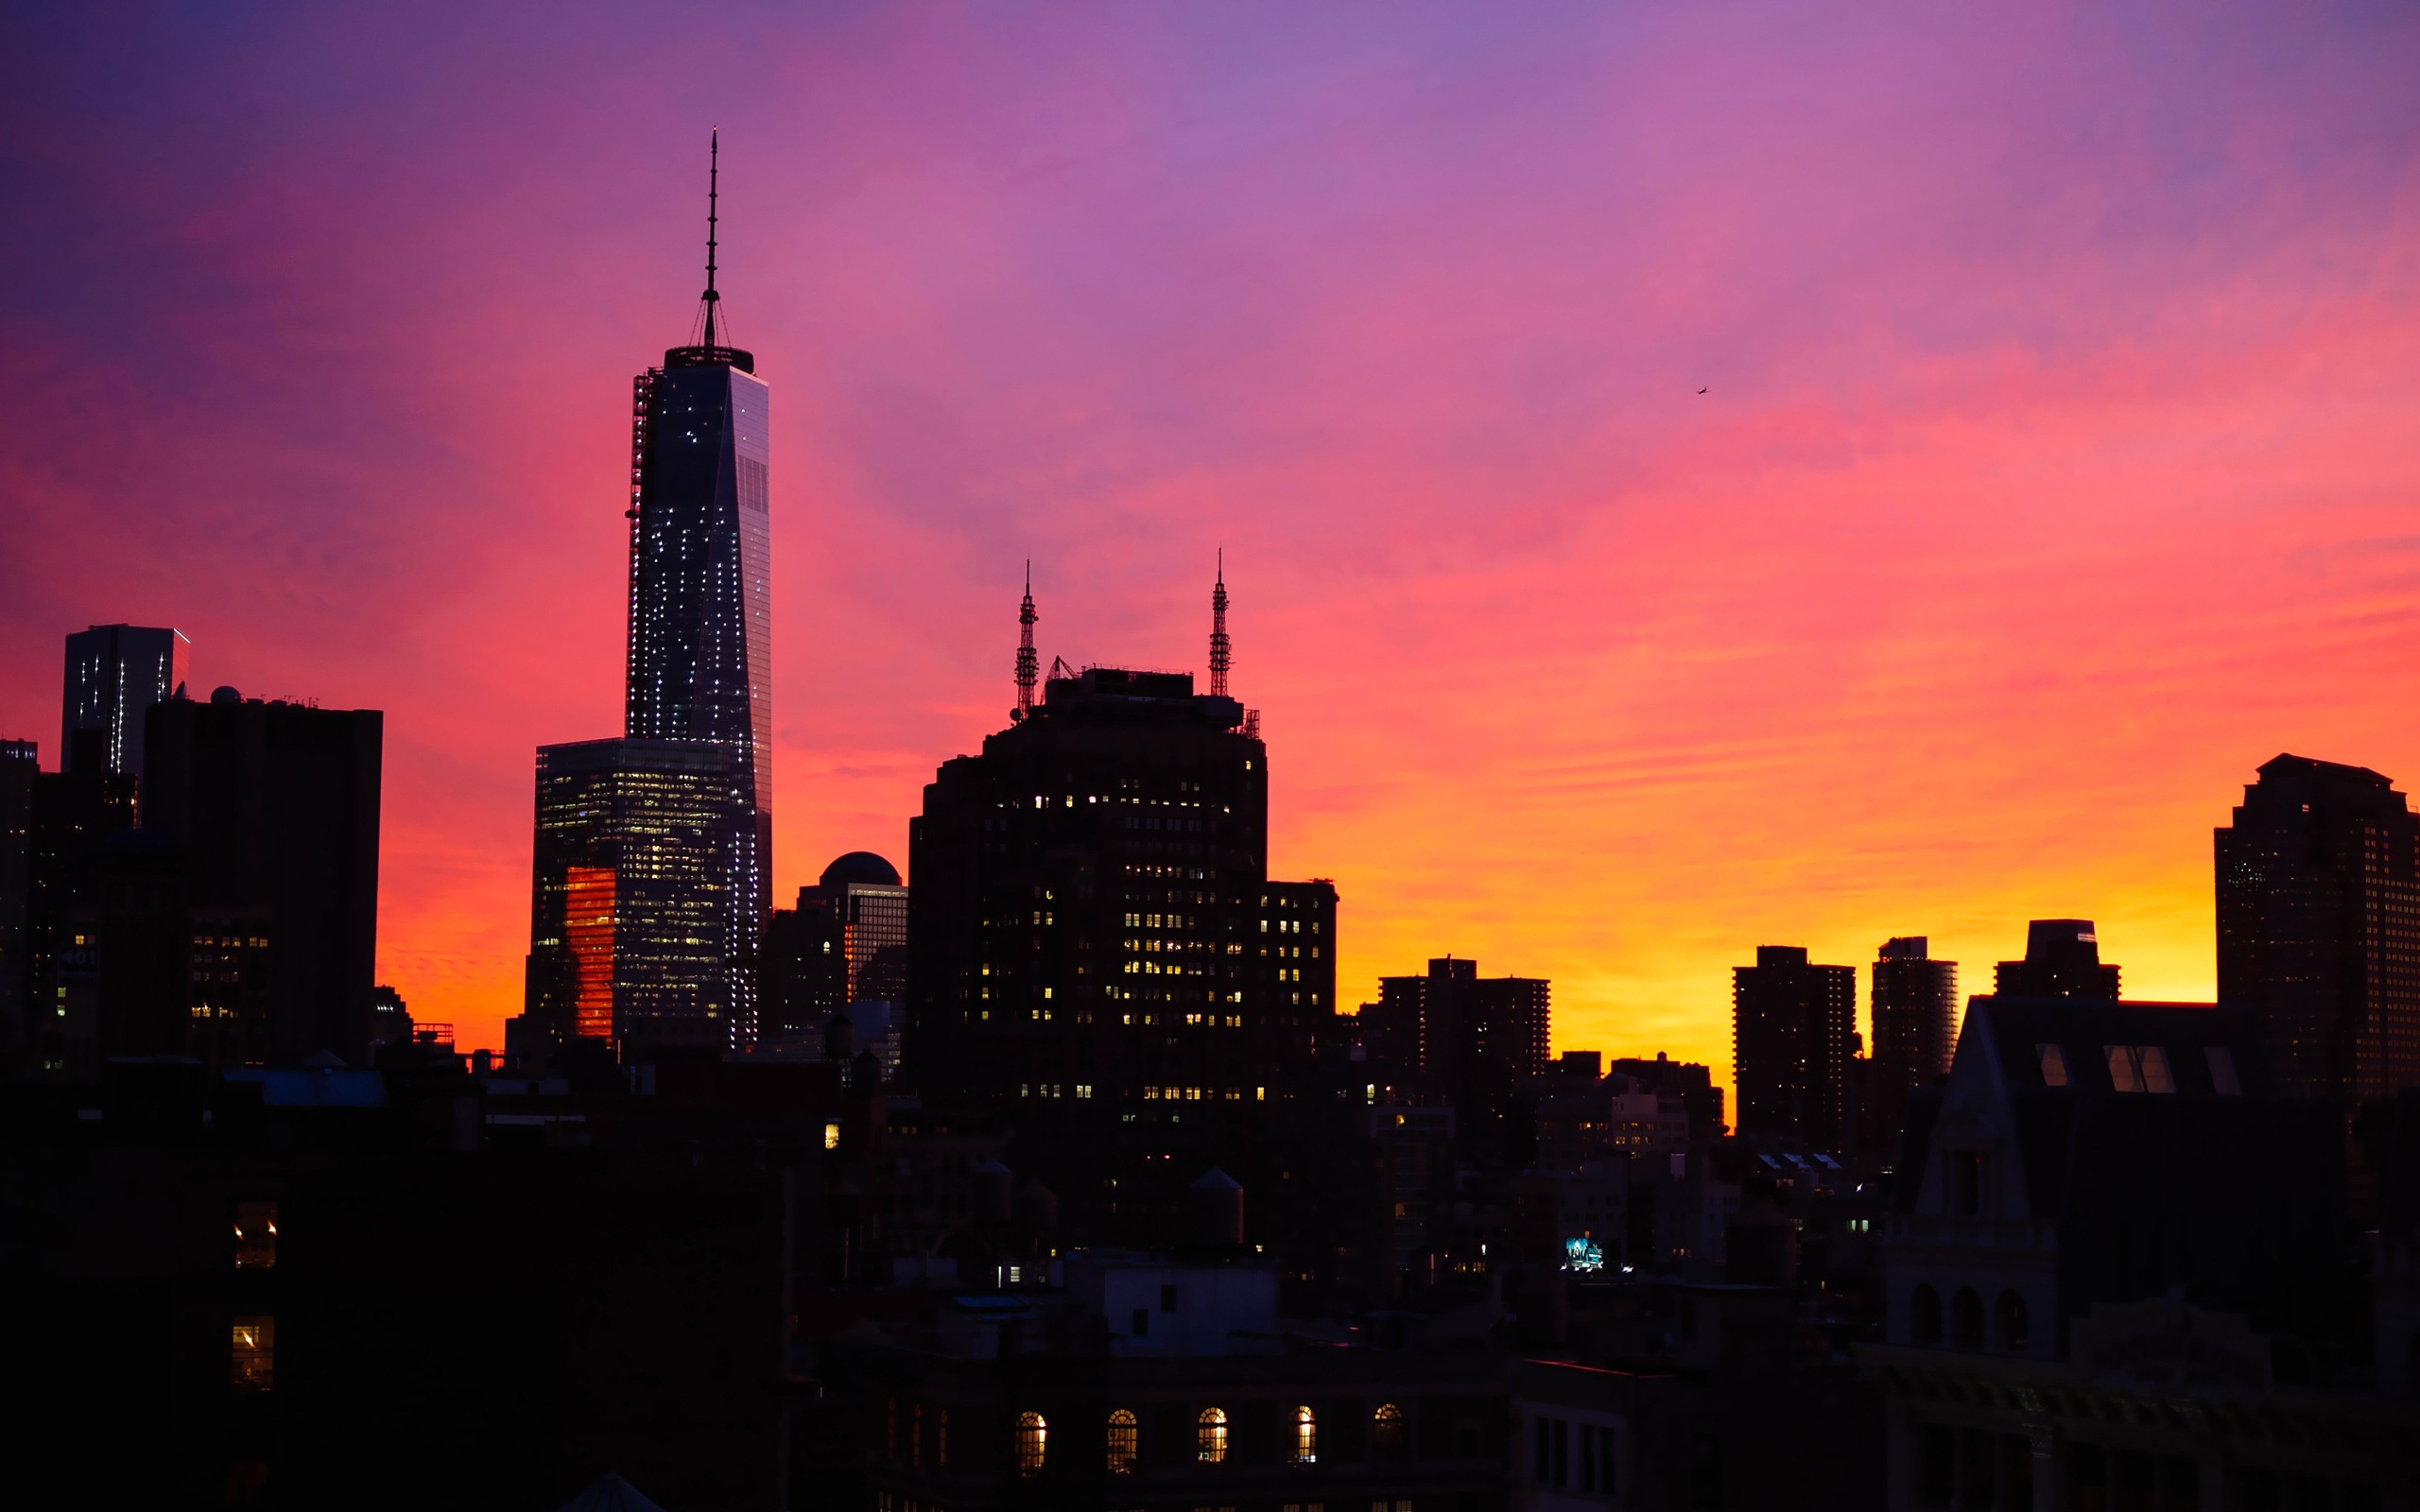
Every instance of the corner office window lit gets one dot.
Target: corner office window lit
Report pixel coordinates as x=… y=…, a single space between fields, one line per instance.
x=1210 y=1437
x=1033 y=1437
x=253 y=1362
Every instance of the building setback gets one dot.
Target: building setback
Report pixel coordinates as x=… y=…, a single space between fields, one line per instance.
x=2319 y=926
x=1793 y=1030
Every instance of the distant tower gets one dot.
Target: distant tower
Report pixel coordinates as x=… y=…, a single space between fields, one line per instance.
x=1029 y=669
x=1221 y=654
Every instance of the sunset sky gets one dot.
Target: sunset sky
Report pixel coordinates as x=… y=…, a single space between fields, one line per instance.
x=2058 y=460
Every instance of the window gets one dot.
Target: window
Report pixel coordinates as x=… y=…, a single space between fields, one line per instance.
x=1966 y=1318
x=1210 y=1437
x=1924 y=1315
x=1167 y=1298
x=1307 y=1436
x=1386 y=1430
x=2153 y=1061
x=1123 y=1442
x=1033 y=1440
x=1965 y=1183
x=2054 y=1065
x=1142 y=1329
x=255 y=1361
x=2123 y=1074
x=2223 y=1077
x=2008 y=1322
x=255 y=1235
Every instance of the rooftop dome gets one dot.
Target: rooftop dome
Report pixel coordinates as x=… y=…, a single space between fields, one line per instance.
x=861 y=867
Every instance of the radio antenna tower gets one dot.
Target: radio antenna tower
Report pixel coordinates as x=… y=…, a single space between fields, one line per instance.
x=1221 y=653
x=1028 y=668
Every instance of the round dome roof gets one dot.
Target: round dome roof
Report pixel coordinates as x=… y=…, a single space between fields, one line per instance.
x=861 y=867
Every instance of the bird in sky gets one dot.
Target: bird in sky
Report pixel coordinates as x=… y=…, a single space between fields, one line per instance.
x=1701 y=390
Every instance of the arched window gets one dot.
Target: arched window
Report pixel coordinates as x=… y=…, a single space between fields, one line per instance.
x=1924 y=1315
x=1307 y=1436
x=2008 y=1322
x=1123 y=1442
x=1033 y=1438
x=1966 y=1318
x=1210 y=1437
x=1386 y=1430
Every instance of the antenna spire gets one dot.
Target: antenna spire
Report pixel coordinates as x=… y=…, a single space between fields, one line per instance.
x=1221 y=652
x=1028 y=667
x=714 y=188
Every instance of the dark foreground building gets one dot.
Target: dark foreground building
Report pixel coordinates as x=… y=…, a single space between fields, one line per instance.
x=2319 y=926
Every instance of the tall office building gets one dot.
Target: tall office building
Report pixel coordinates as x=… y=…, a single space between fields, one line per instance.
x=1793 y=1028
x=700 y=656
x=1095 y=943
x=115 y=672
x=845 y=942
x=2062 y=960
x=275 y=807
x=2319 y=926
x=641 y=853
x=1913 y=1008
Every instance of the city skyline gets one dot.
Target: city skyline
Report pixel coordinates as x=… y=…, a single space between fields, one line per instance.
x=1935 y=614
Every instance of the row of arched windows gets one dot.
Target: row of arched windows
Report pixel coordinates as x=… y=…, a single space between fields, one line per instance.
x=2008 y=1326
x=1124 y=1442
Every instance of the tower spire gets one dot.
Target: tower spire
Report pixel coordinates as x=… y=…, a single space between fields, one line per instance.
x=1028 y=667
x=1221 y=653
x=714 y=188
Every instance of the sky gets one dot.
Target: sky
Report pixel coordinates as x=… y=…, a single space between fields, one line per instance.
x=1691 y=477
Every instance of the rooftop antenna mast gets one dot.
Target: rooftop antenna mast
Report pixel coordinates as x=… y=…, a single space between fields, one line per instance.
x=1221 y=653
x=1028 y=668
x=714 y=188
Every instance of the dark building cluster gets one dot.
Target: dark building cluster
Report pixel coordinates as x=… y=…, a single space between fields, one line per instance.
x=1058 y=1172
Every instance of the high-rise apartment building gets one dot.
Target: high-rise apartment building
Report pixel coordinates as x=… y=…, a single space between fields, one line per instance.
x=273 y=807
x=2062 y=960
x=1913 y=1012
x=700 y=656
x=635 y=927
x=115 y=672
x=1793 y=1031
x=1480 y=1038
x=2319 y=926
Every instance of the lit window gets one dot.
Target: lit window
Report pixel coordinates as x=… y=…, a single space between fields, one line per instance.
x=831 y=1136
x=254 y=1363
x=1307 y=1436
x=2223 y=1077
x=1386 y=1429
x=2054 y=1065
x=1032 y=1438
x=1210 y=1435
x=2123 y=1074
x=255 y=1235
x=1123 y=1440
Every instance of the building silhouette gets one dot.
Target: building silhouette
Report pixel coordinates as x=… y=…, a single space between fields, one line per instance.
x=20 y=767
x=115 y=672
x=272 y=810
x=637 y=928
x=1096 y=944
x=2062 y=960
x=846 y=941
x=700 y=594
x=1914 y=1008
x=1476 y=1041
x=1793 y=1032
x=2319 y=926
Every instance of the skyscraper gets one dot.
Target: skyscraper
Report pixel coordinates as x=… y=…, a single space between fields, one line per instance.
x=641 y=846
x=1792 y=1028
x=701 y=593
x=2319 y=926
x=2062 y=960
x=275 y=807
x=1095 y=941
x=1914 y=1010
x=115 y=672
x=1479 y=1040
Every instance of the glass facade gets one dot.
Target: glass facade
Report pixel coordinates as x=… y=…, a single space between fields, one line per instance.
x=641 y=902
x=114 y=673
